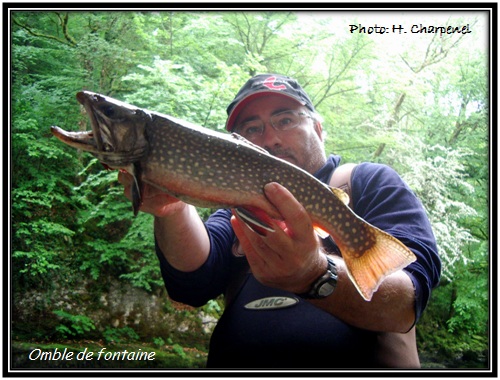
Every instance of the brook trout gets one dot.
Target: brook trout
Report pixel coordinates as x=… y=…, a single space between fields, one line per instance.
x=217 y=170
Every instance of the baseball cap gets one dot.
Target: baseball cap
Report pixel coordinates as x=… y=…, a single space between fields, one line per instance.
x=263 y=84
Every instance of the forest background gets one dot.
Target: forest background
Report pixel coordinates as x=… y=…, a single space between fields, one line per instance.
x=83 y=269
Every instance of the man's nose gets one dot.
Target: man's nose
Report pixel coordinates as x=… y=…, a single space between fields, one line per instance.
x=271 y=137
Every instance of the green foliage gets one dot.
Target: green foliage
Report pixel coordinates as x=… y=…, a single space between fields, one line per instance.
x=144 y=271
x=179 y=350
x=456 y=323
x=470 y=305
x=158 y=342
x=214 y=307
x=120 y=335
x=176 y=89
x=73 y=325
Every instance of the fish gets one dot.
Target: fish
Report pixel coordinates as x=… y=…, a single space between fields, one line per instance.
x=213 y=169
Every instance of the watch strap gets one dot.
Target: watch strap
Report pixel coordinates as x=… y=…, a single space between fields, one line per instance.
x=325 y=284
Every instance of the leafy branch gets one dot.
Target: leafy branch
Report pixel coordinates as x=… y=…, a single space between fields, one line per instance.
x=63 y=23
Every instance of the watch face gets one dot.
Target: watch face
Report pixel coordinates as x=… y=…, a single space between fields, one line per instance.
x=326 y=289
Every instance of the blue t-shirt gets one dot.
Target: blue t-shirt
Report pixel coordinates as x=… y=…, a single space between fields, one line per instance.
x=301 y=335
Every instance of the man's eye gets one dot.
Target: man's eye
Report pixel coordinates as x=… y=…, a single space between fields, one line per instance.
x=251 y=130
x=284 y=121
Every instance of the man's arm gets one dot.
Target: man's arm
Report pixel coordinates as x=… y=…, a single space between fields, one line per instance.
x=391 y=309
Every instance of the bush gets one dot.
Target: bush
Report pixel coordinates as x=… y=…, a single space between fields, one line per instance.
x=73 y=325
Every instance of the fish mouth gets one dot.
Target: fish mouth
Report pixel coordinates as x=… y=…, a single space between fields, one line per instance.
x=81 y=140
x=96 y=141
x=107 y=120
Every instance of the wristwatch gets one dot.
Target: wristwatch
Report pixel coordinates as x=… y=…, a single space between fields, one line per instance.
x=325 y=285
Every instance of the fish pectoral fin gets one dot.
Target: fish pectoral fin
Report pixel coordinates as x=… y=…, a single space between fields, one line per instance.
x=137 y=188
x=341 y=194
x=253 y=221
x=321 y=232
x=368 y=270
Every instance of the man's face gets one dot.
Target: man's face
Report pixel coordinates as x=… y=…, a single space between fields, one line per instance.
x=301 y=146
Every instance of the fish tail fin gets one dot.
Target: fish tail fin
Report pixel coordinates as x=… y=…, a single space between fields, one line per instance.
x=386 y=256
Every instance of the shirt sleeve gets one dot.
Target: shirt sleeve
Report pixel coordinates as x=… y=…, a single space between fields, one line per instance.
x=383 y=199
x=210 y=280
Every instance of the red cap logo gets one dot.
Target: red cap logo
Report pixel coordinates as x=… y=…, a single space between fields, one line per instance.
x=269 y=83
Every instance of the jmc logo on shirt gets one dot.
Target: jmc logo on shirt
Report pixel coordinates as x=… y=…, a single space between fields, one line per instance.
x=271 y=303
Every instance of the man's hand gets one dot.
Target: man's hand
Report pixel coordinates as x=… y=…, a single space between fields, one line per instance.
x=289 y=258
x=154 y=201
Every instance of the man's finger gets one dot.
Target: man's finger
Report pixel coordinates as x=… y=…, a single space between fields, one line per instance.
x=293 y=213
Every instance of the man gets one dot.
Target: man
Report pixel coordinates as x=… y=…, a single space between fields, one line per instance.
x=281 y=313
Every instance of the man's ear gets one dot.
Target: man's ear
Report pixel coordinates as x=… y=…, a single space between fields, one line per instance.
x=319 y=129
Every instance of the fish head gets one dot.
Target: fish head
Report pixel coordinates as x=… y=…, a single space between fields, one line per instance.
x=118 y=136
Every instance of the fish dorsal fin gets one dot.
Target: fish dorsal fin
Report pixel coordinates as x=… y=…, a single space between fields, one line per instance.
x=341 y=179
x=342 y=195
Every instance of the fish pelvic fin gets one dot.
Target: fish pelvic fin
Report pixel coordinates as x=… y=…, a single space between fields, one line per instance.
x=368 y=270
x=256 y=219
x=137 y=188
x=341 y=194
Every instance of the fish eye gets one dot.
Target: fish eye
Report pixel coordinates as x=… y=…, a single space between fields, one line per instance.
x=108 y=111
